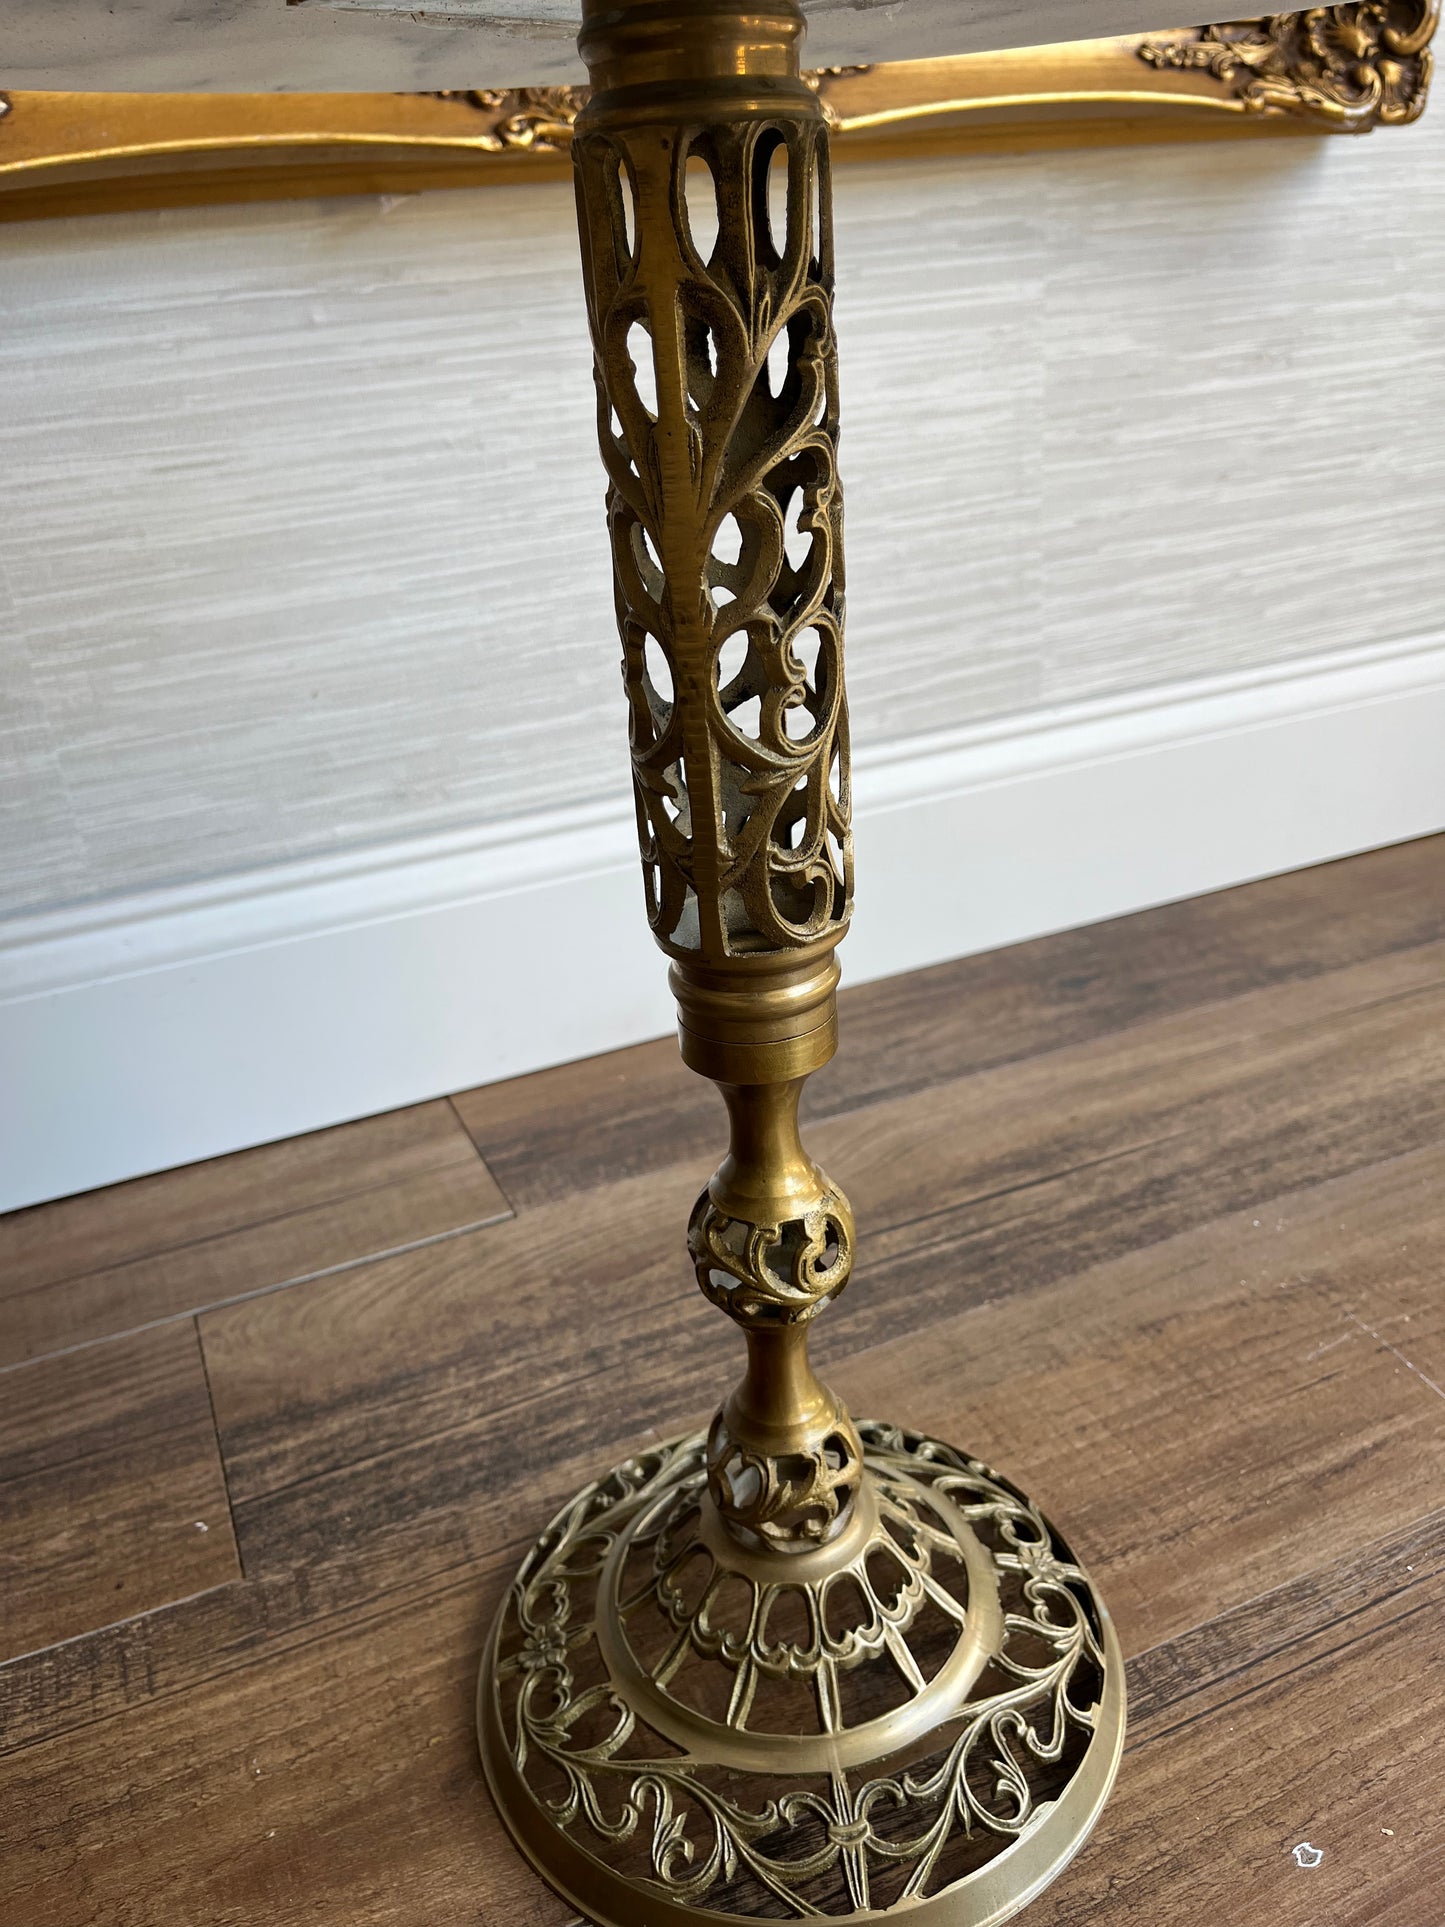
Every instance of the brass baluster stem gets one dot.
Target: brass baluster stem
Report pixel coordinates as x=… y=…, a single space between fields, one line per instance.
x=740 y=766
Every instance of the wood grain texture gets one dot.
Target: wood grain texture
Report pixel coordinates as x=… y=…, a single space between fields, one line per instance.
x=1096 y=1393
x=439 y=1471
x=986 y=1187
x=111 y=1488
x=182 y=1240
x=1098 y=407
x=1327 y=1742
x=559 y=1131
x=337 y=1781
x=1203 y=1664
x=1159 y=1233
x=100 y=1230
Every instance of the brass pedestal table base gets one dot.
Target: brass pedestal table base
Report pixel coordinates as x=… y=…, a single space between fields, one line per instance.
x=919 y=1719
x=791 y=1667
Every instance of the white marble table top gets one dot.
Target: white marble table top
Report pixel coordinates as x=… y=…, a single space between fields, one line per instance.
x=267 y=45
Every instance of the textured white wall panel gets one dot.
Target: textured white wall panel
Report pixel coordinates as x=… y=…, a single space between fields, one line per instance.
x=159 y=1028
x=301 y=545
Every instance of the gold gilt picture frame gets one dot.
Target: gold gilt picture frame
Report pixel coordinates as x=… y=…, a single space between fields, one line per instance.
x=1330 y=70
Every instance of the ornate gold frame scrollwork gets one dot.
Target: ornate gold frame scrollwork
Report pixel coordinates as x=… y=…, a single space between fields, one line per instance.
x=1340 y=69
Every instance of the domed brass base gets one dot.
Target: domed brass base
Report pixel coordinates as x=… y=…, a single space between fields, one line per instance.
x=919 y=1718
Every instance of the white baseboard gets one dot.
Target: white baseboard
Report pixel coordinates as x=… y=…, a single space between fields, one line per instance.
x=151 y=1031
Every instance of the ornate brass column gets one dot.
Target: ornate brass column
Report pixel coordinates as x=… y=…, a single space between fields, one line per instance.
x=795 y=1665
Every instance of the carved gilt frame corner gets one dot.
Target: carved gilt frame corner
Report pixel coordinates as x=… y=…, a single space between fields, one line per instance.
x=1343 y=69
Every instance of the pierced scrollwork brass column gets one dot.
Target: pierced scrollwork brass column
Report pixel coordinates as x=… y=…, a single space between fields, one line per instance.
x=795 y=1665
x=707 y=251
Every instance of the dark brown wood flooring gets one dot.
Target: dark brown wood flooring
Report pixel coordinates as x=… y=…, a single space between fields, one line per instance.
x=1152 y=1216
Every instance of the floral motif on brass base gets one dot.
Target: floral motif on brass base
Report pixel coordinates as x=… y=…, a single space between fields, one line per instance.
x=870 y=1731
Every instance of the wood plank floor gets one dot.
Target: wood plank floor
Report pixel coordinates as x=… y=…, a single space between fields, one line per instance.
x=1152 y=1216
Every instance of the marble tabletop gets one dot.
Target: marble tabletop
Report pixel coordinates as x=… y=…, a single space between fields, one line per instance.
x=268 y=45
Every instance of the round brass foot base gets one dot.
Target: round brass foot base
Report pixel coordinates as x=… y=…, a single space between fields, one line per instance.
x=920 y=1717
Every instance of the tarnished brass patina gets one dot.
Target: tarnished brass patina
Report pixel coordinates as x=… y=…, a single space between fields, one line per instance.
x=795 y=1665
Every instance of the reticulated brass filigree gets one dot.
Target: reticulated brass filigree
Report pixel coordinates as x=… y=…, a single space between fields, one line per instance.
x=786 y=1500
x=707 y=253
x=773 y=1272
x=1356 y=66
x=791 y=1666
x=709 y=264
x=939 y=1704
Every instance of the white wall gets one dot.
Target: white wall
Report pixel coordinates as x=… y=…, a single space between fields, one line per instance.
x=303 y=577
